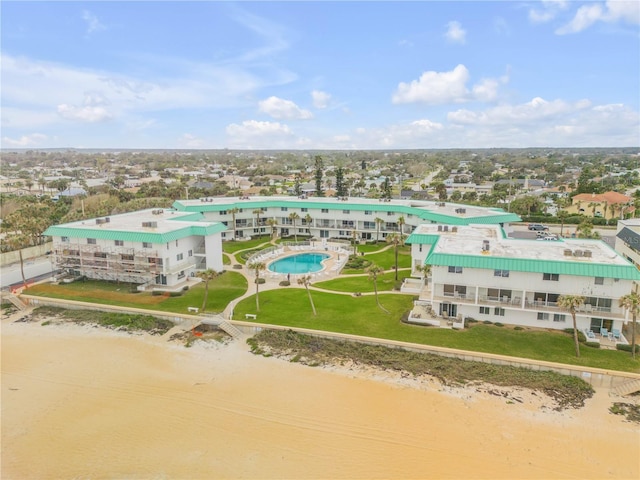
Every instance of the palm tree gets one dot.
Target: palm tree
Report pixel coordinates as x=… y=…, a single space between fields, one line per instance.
x=401 y=222
x=233 y=212
x=631 y=302
x=395 y=239
x=272 y=222
x=257 y=213
x=257 y=267
x=206 y=275
x=18 y=241
x=306 y=281
x=309 y=220
x=375 y=270
x=293 y=216
x=425 y=270
x=379 y=221
x=562 y=216
x=571 y=303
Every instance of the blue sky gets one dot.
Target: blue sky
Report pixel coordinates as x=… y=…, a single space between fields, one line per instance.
x=320 y=75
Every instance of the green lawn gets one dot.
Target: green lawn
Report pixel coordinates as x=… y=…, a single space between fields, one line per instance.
x=361 y=316
x=222 y=290
x=385 y=259
x=369 y=247
x=358 y=283
x=232 y=246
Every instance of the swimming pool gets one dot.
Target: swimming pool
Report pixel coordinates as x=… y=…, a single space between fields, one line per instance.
x=302 y=263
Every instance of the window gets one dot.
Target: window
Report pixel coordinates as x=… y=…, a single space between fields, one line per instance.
x=367 y=212
x=389 y=214
x=543 y=316
x=91 y=241
x=119 y=243
x=599 y=280
x=223 y=212
x=190 y=253
x=64 y=239
x=100 y=254
x=346 y=212
x=146 y=245
x=554 y=277
x=324 y=233
x=181 y=274
x=176 y=243
x=485 y=310
x=455 y=269
x=284 y=209
x=420 y=247
x=559 y=317
x=128 y=258
x=304 y=210
x=325 y=210
x=179 y=256
x=501 y=273
x=498 y=311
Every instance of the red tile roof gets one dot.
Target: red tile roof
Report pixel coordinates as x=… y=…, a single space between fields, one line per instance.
x=609 y=197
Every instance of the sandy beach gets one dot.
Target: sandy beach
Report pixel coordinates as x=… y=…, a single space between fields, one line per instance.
x=88 y=403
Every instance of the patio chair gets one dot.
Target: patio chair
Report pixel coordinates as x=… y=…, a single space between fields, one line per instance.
x=604 y=332
x=590 y=334
x=616 y=333
x=588 y=307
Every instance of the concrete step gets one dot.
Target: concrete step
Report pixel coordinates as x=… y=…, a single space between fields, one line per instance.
x=627 y=388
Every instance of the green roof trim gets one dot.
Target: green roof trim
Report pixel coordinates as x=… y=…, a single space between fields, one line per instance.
x=500 y=216
x=145 y=235
x=488 y=262
x=422 y=238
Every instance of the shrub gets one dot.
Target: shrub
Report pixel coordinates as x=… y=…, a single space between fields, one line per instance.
x=285 y=283
x=626 y=347
x=518 y=327
x=581 y=337
x=237 y=266
x=185 y=288
x=488 y=322
x=260 y=280
x=498 y=324
x=471 y=320
x=592 y=344
x=175 y=294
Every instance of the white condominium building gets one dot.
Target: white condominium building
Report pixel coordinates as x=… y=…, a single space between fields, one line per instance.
x=476 y=271
x=148 y=247
x=333 y=217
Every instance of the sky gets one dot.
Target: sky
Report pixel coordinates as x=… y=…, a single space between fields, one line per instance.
x=320 y=75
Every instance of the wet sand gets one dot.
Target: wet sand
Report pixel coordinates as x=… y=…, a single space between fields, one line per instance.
x=84 y=402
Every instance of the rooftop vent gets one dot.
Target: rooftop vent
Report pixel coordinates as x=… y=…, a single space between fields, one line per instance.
x=439 y=228
x=485 y=245
x=587 y=253
x=107 y=219
x=445 y=228
x=454 y=229
x=149 y=224
x=100 y=221
x=157 y=211
x=568 y=252
x=577 y=253
x=461 y=210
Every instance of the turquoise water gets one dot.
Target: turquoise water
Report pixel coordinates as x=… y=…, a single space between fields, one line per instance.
x=303 y=263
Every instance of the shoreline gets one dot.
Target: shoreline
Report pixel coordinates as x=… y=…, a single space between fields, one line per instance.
x=218 y=410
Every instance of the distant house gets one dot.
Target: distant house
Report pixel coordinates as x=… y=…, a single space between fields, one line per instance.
x=606 y=205
x=69 y=192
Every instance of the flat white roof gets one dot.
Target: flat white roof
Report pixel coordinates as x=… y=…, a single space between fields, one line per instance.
x=468 y=240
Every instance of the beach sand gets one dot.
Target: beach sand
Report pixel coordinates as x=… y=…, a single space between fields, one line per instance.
x=85 y=403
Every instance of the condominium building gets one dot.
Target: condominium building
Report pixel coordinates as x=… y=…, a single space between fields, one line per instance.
x=478 y=272
x=148 y=247
x=367 y=219
x=628 y=240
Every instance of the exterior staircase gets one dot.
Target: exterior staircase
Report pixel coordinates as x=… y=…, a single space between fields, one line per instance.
x=19 y=304
x=231 y=330
x=627 y=388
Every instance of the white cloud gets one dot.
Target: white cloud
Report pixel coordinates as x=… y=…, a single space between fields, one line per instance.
x=252 y=134
x=436 y=88
x=320 y=99
x=283 y=109
x=31 y=140
x=612 y=11
x=93 y=24
x=549 y=11
x=85 y=114
x=256 y=128
x=455 y=33
x=190 y=141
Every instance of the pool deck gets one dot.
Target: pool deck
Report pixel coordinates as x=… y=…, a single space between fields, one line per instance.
x=338 y=256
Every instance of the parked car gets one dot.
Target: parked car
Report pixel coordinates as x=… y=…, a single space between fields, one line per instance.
x=538 y=227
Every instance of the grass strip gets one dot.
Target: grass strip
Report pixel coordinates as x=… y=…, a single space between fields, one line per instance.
x=116 y=321
x=566 y=391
